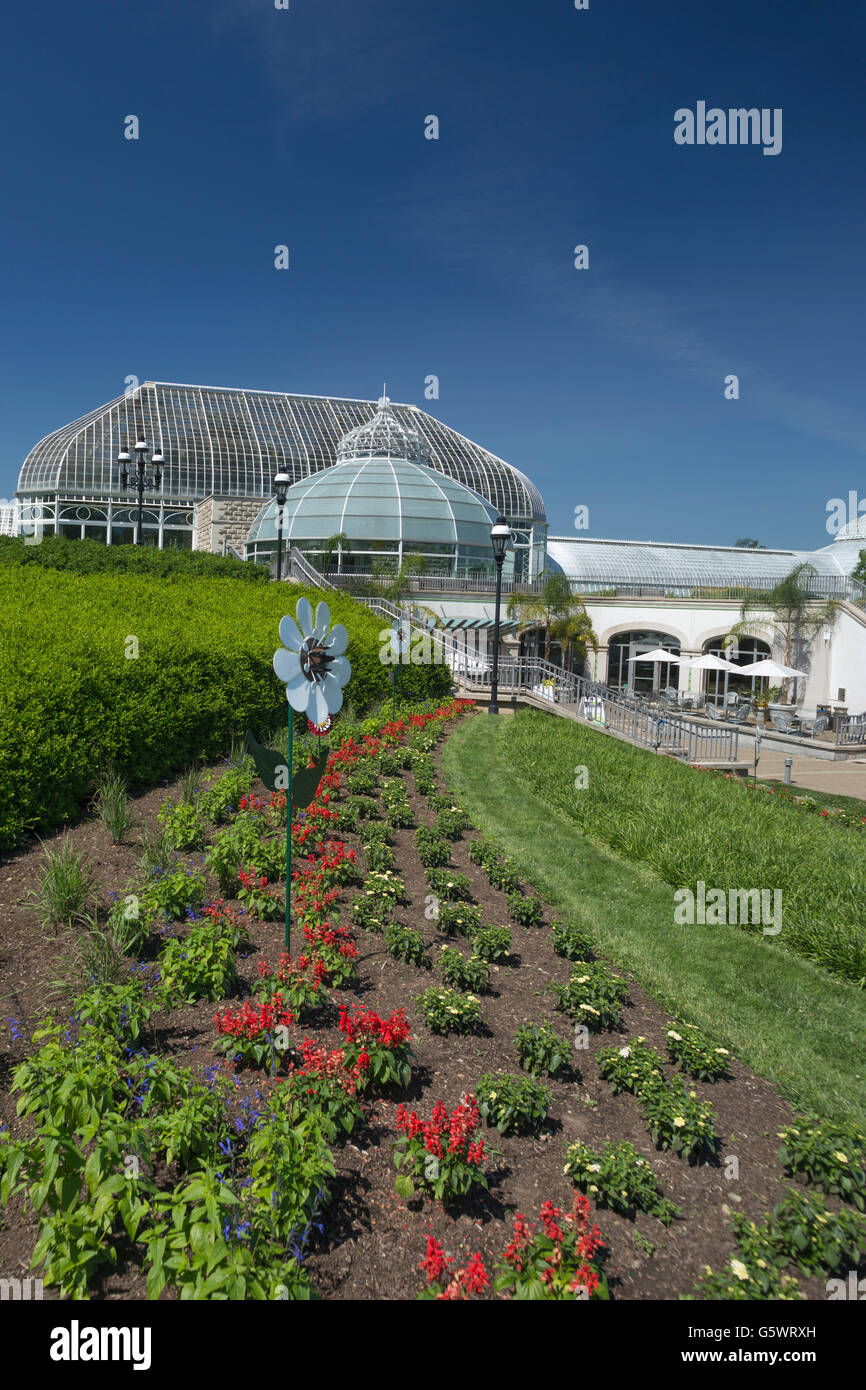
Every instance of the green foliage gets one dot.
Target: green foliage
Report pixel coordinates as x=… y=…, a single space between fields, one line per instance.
x=804 y=1231
x=689 y=1049
x=111 y=804
x=200 y=965
x=450 y=885
x=540 y=1049
x=831 y=1156
x=78 y=694
x=402 y=943
x=173 y=891
x=458 y=919
x=629 y=1068
x=528 y=911
x=617 y=1177
x=451 y=822
x=92 y=557
x=386 y=886
x=396 y=801
x=593 y=995
x=223 y=794
x=571 y=941
x=433 y=850
x=185 y=829
x=380 y=857
x=688 y=826
x=677 y=1119
x=492 y=943
x=446 y=1011
x=465 y=972
x=65 y=884
x=371 y=911
x=514 y=1104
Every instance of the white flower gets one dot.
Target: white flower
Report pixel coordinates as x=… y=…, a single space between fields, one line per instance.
x=739 y=1269
x=625 y=1052
x=311 y=663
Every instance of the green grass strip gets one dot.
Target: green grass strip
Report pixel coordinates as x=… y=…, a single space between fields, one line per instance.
x=785 y=1017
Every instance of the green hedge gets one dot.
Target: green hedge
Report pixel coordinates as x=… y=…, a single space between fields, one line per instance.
x=94 y=557
x=71 y=700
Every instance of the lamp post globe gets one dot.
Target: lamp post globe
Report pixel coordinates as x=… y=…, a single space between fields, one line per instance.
x=500 y=539
x=282 y=483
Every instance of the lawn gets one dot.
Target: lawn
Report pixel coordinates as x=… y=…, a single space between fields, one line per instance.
x=785 y=1016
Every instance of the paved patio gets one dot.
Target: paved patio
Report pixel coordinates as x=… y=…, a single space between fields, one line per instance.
x=846 y=778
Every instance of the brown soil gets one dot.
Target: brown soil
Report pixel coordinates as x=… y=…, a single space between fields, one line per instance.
x=372 y=1242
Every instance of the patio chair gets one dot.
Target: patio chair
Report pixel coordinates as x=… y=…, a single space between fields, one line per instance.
x=742 y=715
x=713 y=712
x=814 y=726
x=784 y=725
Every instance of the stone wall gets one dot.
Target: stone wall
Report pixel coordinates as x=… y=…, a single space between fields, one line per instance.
x=225 y=520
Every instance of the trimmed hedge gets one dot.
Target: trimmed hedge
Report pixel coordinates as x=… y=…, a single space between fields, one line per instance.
x=94 y=557
x=74 y=696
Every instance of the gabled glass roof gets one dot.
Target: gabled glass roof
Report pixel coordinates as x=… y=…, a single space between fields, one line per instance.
x=611 y=562
x=233 y=441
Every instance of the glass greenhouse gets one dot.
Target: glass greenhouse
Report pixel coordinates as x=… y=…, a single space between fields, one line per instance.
x=231 y=443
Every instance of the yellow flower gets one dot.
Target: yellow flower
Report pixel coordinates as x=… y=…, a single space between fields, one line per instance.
x=843 y=1158
x=739 y=1269
x=675 y=1036
x=679 y=1121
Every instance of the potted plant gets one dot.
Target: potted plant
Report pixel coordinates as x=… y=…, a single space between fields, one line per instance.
x=766 y=697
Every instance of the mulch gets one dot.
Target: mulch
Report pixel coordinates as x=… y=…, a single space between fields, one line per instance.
x=371 y=1241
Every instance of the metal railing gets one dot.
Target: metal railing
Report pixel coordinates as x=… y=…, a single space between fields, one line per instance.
x=850 y=728
x=609 y=709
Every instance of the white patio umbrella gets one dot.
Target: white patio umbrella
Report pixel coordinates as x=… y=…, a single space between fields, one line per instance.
x=708 y=662
x=766 y=667
x=656 y=656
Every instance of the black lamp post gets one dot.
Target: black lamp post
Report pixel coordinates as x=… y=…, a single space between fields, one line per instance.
x=139 y=479
x=500 y=535
x=282 y=482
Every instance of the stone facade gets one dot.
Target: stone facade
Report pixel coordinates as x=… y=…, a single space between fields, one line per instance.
x=224 y=521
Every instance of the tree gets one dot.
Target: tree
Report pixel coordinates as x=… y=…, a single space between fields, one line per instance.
x=557 y=610
x=746 y=543
x=330 y=548
x=796 y=617
x=859 y=570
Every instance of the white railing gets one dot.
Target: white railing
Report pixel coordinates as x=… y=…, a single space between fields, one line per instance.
x=850 y=728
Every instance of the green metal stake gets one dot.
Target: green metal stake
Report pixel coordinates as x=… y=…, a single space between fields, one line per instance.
x=289 y=839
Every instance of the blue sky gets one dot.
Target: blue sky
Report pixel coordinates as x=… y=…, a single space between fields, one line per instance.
x=412 y=257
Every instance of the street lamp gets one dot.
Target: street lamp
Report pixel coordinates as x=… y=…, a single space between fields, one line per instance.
x=282 y=482
x=500 y=536
x=139 y=479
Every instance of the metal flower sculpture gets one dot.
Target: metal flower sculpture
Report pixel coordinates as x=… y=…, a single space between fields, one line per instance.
x=311 y=663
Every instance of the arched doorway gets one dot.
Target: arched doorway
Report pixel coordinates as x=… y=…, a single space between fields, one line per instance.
x=746 y=651
x=625 y=667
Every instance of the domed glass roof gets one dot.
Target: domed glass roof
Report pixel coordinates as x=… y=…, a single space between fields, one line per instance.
x=387 y=500
x=383 y=437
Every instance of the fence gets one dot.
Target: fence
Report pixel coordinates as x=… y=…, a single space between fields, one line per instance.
x=850 y=728
x=612 y=711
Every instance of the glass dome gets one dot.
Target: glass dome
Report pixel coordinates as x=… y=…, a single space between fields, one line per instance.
x=381 y=509
x=383 y=437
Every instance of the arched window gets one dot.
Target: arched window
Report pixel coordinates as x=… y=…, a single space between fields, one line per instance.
x=746 y=650
x=625 y=667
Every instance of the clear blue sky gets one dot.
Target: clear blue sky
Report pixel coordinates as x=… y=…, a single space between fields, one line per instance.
x=454 y=257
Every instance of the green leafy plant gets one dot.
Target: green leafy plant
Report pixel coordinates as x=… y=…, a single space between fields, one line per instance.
x=540 y=1049
x=372 y=912
x=446 y=1011
x=804 y=1231
x=464 y=972
x=386 y=886
x=528 y=911
x=198 y=966
x=689 y=1049
x=617 y=1177
x=402 y=943
x=442 y=1156
x=571 y=941
x=829 y=1155
x=593 y=996
x=184 y=828
x=492 y=943
x=433 y=850
x=631 y=1067
x=451 y=822
x=514 y=1104
x=458 y=919
x=380 y=857
x=450 y=885
x=396 y=802
x=173 y=891
x=677 y=1119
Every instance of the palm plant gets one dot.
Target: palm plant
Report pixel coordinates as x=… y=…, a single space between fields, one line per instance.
x=330 y=548
x=559 y=611
x=796 y=617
